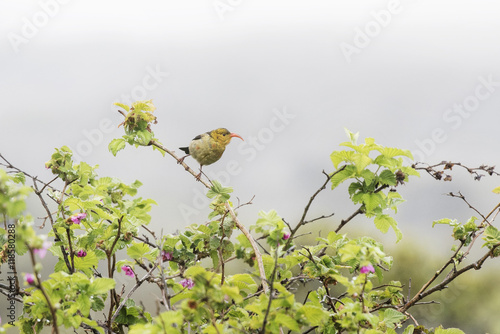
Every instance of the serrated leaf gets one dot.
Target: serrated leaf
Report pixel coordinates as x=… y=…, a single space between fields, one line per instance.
x=372 y=201
x=145 y=105
x=409 y=329
x=392 y=316
x=287 y=321
x=138 y=250
x=121 y=105
x=315 y=315
x=116 y=145
x=348 y=172
x=445 y=221
x=387 y=177
x=101 y=286
x=383 y=222
x=361 y=161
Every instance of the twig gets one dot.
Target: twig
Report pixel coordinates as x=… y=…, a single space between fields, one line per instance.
x=264 y=323
x=302 y=220
x=39 y=285
x=462 y=197
x=422 y=293
x=49 y=215
x=137 y=284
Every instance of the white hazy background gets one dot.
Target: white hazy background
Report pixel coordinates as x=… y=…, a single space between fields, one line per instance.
x=287 y=76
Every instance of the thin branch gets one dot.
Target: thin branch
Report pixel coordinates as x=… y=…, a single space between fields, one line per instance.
x=462 y=197
x=137 y=285
x=39 y=285
x=454 y=274
x=264 y=323
x=302 y=220
x=49 y=215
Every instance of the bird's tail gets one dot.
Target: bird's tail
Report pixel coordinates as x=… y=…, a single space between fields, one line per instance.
x=185 y=149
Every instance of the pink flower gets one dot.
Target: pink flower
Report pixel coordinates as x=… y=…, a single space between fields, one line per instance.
x=367 y=269
x=30 y=278
x=81 y=253
x=128 y=271
x=187 y=283
x=166 y=256
x=77 y=218
x=43 y=251
x=286 y=236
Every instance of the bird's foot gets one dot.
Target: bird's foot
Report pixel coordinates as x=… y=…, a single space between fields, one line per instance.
x=181 y=160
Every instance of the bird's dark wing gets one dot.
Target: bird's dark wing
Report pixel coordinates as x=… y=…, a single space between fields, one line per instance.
x=185 y=149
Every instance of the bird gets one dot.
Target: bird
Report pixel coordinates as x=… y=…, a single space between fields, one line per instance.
x=208 y=147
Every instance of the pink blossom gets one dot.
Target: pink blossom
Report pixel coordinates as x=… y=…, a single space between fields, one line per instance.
x=81 y=253
x=77 y=218
x=166 y=256
x=43 y=251
x=286 y=236
x=30 y=278
x=187 y=283
x=128 y=271
x=367 y=269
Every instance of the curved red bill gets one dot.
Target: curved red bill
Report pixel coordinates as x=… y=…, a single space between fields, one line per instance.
x=236 y=135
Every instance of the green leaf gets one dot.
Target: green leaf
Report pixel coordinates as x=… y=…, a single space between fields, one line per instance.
x=86 y=263
x=138 y=250
x=441 y=330
x=387 y=177
x=146 y=105
x=353 y=137
x=491 y=236
x=116 y=145
x=93 y=324
x=341 y=176
x=349 y=251
x=409 y=329
x=392 y=317
x=496 y=190
x=121 y=105
x=361 y=161
x=144 y=137
x=287 y=321
x=101 y=286
x=218 y=189
x=372 y=201
x=446 y=221
x=315 y=315
x=383 y=222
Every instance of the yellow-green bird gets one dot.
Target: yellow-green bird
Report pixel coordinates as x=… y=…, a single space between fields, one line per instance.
x=208 y=147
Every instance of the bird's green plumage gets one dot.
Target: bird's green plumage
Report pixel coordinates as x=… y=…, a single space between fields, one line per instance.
x=207 y=148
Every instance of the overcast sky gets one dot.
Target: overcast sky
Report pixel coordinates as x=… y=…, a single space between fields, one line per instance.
x=288 y=76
